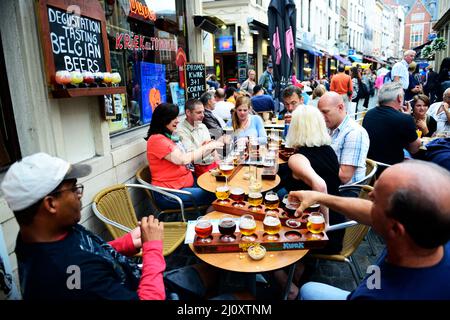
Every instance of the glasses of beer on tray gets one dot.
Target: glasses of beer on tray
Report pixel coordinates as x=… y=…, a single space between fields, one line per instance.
x=222 y=193
x=271 y=200
x=316 y=224
x=290 y=208
x=255 y=199
x=272 y=225
x=203 y=229
x=227 y=227
x=247 y=227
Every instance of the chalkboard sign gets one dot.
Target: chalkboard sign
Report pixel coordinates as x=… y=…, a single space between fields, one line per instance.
x=76 y=41
x=195 y=79
x=73 y=35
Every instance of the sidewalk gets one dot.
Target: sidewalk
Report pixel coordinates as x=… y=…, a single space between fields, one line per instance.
x=334 y=273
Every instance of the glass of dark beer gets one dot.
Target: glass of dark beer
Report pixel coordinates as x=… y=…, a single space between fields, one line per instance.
x=227 y=227
x=237 y=194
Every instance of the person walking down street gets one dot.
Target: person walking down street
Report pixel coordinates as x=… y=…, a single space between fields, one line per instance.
x=368 y=79
x=414 y=86
x=266 y=80
x=52 y=249
x=399 y=72
x=431 y=85
x=343 y=85
x=250 y=83
x=416 y=262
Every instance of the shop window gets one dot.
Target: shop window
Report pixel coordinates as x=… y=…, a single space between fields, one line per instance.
x=147 y=44
x=9 y=143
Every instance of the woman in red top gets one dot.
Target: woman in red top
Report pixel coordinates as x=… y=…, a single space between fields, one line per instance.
x=169 y=163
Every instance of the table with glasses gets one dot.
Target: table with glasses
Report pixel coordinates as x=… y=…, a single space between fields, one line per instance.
x=208 y=182
x=241 y=262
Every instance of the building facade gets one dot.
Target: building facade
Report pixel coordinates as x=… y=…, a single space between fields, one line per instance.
x=417 y=25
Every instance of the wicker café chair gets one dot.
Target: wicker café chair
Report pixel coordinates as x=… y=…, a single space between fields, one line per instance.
x=371 y=170
x=113 y=206
x=144 y=177
x=354 y=235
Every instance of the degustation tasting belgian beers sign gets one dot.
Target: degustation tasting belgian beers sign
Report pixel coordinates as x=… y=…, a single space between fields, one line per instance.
x=76 y=49
x=195 y=79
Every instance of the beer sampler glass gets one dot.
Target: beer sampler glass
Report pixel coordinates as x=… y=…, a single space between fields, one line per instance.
x=222 y=193
x=227 y=227
x=203 y=229
x=316 y=224
x=271 y=200
x=226 y=167
x=255 y=199
x=290 y=209
x=247 y=226
x=272 y=225
x=237 y=194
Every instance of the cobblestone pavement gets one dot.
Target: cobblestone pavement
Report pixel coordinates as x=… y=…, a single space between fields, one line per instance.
x=334 y=273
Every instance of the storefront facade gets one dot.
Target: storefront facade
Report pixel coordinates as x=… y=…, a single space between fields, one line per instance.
x=79 y=129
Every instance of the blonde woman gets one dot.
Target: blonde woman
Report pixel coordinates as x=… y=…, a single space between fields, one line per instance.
x=246 y=124
x=314 y=166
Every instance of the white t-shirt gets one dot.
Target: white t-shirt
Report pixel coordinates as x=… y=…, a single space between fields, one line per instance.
x=222 y=110
x=441 y=118
x=400 y=69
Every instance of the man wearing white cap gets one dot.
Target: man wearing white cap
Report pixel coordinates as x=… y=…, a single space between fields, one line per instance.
x=57 y=257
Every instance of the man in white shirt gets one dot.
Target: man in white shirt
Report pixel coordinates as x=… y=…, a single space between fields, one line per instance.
x=400 y=69
x=440 y=111
x=350 y=141
x=222 y=108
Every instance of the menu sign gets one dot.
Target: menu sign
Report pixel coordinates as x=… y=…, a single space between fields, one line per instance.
x=76 y=41
x=195 y=79
x=74 y=38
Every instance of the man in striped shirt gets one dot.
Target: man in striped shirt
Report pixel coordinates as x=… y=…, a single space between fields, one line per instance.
x=350 y=141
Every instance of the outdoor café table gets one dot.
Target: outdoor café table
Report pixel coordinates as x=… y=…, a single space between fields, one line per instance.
x=208 y=182
x=241 y=262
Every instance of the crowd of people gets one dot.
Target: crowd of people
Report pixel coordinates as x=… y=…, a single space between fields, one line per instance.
x=409 y=206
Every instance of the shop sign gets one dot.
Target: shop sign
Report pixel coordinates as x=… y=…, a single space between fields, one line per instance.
x=131 y=41
x=195 y=77
x=140 y=10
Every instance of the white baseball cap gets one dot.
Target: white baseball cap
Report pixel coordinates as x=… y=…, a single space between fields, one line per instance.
x=32 y=178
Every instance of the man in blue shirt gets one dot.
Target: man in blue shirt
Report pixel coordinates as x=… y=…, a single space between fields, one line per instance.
x=260 y=101
x=409 y=209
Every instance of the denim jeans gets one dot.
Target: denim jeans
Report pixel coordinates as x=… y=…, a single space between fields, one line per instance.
x=320 y=291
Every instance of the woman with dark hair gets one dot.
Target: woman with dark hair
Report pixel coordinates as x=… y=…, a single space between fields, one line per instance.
x=424 y=122
x=169 y=163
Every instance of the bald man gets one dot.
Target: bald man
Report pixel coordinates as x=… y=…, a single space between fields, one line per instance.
x=410 y=210
x=399 y=71
x=350 y=141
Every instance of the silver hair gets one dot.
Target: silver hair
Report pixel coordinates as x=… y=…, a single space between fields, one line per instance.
x=389 y=92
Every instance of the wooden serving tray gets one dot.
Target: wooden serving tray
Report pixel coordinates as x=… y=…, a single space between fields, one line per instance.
x=287 y=240
x=241 y=208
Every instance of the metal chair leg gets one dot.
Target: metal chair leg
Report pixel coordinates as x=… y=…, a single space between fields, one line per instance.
x=289 y=281
x=354 y=272
x=357 y=267
x=370 y=240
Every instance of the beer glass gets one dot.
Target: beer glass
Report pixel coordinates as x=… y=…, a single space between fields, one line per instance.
x=247 y=226
x=255 y=199
x=271 y=200
x=222 y=193
x=255 y=184
x=272 y=225
x=226 y=168
x=227 y=227
x=203 y=229
x=316 y=224
x=237 y=194
x=290 y=209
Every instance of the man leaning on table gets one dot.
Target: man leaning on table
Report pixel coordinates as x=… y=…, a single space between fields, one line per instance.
x=409 y=209
x=58 y=259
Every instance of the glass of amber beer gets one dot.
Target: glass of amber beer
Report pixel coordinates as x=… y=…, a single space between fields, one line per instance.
x=316 y=224
x=271 y=200
x=255 y=199
x=203 y=229
x=226 y=168
x=247 y=226
x=272 y=225
x=222 y=193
